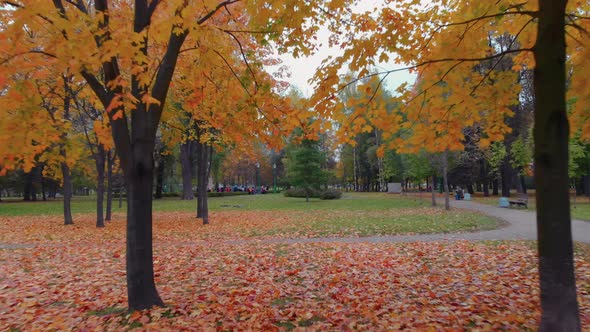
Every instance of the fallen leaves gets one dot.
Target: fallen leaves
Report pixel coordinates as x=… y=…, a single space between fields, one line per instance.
x=261 y=286
x=73 y=278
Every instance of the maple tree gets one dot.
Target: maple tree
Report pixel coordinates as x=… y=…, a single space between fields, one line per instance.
x=130 y=53
x=444 y=42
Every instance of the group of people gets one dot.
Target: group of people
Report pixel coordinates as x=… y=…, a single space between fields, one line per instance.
x=459 y=194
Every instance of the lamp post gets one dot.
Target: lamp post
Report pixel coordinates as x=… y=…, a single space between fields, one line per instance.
x=258 y=177
x=274 y=178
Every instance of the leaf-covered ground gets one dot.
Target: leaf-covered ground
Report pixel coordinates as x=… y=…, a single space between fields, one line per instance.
x=73 y=278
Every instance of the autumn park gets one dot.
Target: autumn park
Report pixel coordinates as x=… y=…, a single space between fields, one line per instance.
x=306 y=165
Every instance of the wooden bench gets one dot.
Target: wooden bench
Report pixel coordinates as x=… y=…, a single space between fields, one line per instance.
x=519 y=200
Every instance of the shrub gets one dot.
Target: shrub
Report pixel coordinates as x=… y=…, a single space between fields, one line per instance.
x=300 y=193
x=331 y=194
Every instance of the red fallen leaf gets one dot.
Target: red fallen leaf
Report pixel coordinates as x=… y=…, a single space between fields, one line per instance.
x=116 y=255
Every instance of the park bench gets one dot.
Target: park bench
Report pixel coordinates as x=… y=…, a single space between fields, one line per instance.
x=519 y=200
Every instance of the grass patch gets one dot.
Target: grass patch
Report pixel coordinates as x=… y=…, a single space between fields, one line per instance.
x=445 y=222
x=107 y=311
x=349 y=201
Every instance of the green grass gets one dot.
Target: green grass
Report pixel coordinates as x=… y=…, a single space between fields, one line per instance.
x=349 y=201
x=446 y=222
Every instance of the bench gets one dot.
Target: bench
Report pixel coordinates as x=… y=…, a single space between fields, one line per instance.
x=519 y=200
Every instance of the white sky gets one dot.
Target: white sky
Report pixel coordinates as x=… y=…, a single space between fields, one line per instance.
x=302 y=69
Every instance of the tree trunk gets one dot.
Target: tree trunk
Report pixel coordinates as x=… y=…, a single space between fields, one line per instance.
x=203 y=169
x=445 y=180
x=433 y=190
x=495 y=187
x=185 y=163
x=522 y=183
x=141 y=288
x=42 y=182
x=67 y=179
x=506 y=174
x=551 y=134
x=28 y=186
x=100 y=158
x=34 y=184
x=478 y=187
x=110 y=162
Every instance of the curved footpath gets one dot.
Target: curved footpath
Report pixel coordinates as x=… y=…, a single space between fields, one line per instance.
x=521 y=226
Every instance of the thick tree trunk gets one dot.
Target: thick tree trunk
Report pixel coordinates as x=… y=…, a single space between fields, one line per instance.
x=141 y=288
x=100 y=158
x=185 y=163
x=478 y=187
x=551 y=133
x=110 y=162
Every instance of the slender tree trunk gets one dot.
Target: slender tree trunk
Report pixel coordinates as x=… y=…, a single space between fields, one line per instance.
x=203 y=169
x=551 y=134
x=186 y=165
x=42 y=182
x=141 y=288
x=506 y=174
x=495 y=187
x=28 y=186
x=110 y=162
x=100 y=158
x=34 y=184
x=432 y=192
x=522 y=183
x=445 y=180
x=67 y=180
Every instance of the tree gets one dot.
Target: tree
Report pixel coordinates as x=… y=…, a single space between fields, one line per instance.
x=444 y=42
x=304 y=167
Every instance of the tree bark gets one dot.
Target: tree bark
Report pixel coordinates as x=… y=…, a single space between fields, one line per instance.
x=141 y=288
x=495 y=187
x=445 y=180
x=551 y=134
x=185 y=163
x=28 y=186
x=100 y=159
x=433 y=190
x=203 y=169
x=67 y=180
x=110 y=162
x=506 y=174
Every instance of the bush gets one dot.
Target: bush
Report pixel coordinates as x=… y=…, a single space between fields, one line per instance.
x=300 y=193
x=331 y=194
x=321 y=194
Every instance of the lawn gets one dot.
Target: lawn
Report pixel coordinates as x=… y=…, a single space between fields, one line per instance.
x=241 y=273
x=245 y=217
x=350 y=201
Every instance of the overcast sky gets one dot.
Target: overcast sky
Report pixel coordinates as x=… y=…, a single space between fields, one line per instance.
x=303 y=69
